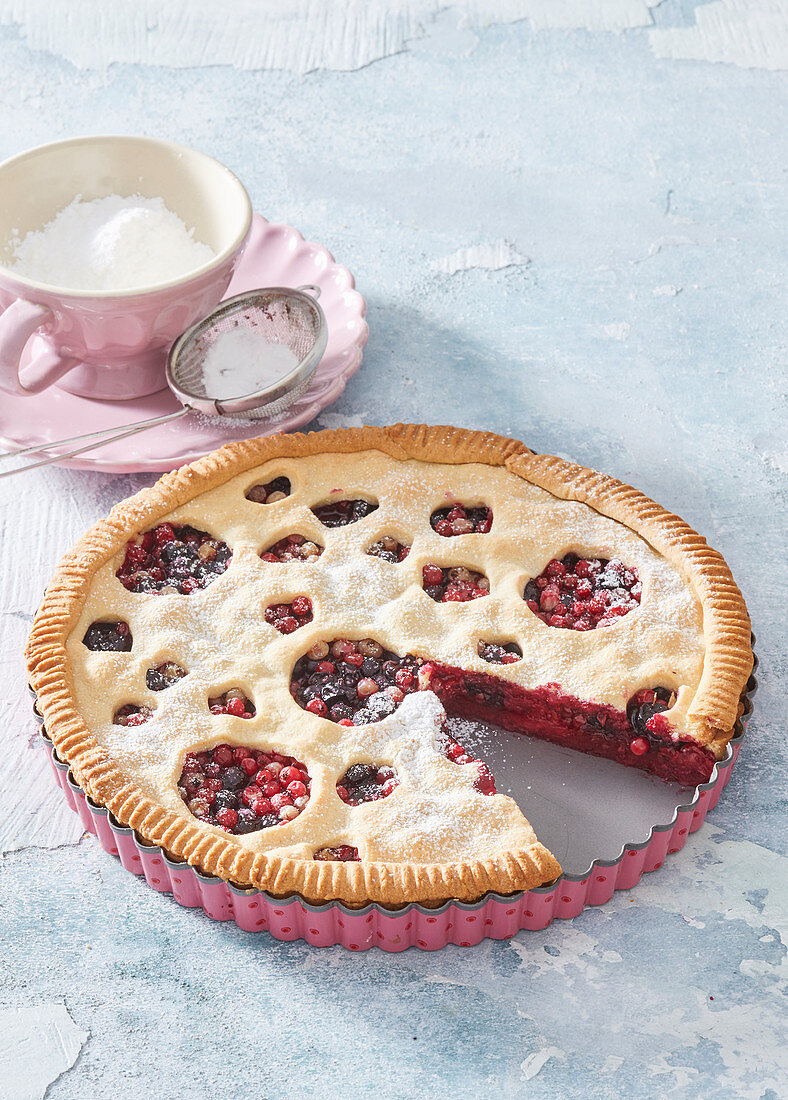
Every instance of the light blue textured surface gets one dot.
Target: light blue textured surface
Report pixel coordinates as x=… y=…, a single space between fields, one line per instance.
x=645 y=337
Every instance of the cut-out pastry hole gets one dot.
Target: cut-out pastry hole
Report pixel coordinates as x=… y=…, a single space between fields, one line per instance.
x=131 y=714
x=243 y=790
x=453 y=750
x=460 y=519
x=499 y=653
x=293 y=548
x=338 y=513
x=583 y=593
x=109 y=637
x=455 y=584
x=164 y=676
x=287 y=617
x=343 y=853
x=271 y=492
x=367 y=783
x=173 y=558
x=353 y=683
x=388 y=549
x=232 y=702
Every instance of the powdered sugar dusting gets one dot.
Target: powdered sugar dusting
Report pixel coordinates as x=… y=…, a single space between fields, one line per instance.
x=220 y=637
x=240 y=362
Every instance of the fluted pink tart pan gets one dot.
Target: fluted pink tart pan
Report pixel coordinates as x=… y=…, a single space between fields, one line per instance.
x=495 y=916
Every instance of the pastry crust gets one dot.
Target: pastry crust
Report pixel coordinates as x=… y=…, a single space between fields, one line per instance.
x=710 y=716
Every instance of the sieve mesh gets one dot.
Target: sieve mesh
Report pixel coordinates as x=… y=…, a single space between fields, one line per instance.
x=277 y=316
x=272 y=409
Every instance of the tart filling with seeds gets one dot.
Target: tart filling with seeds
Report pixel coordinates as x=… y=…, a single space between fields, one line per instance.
x=590 y=618
x=173 y=558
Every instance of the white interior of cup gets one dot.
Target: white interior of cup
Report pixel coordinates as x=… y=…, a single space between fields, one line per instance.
x=37 y=184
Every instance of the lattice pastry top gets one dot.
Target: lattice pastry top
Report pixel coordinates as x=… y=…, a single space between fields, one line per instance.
x=249 y=663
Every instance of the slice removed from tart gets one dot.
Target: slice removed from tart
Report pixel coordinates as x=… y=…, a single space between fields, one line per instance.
x=413 y=794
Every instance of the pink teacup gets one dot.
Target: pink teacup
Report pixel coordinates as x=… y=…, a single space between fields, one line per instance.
x=110 y=344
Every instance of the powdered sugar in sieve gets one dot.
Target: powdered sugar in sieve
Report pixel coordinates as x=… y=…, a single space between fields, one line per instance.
x=251 y=357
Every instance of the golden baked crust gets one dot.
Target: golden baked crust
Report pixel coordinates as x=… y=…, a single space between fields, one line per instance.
x=708 y=713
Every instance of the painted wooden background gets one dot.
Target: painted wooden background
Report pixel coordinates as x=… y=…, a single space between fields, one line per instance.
x=568 y=218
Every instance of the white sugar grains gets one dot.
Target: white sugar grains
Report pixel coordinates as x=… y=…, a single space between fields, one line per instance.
x=110 y=244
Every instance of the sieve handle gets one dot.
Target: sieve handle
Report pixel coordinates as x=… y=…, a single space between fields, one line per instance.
x=107 y=435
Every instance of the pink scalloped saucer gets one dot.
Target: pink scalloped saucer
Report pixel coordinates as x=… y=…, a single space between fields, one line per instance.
x=276 y=255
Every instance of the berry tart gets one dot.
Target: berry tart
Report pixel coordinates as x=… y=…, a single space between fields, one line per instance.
x=250 y=663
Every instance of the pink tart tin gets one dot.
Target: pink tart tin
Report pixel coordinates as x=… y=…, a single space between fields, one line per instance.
x=495 y=916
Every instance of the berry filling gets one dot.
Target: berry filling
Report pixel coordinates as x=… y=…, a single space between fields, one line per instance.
x=641 y=737
x=338 y=513
x=232 y=702
x=173 y=558
x=366 y=783
x=108 y=637
x=353 y=682
x=453 y=750
x=243 y=790
x=643 y=708
x=460 y=520
x=275 y=490
x=343 y=853
x=583 y=593
x=287 y=617
x=293 y=548
x=499 y=653
x=164 y=676
x=454 y=585
x=131 y=715
x=388 y=549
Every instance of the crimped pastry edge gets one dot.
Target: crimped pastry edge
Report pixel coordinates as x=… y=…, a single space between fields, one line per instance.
x=726 y=667
x=726 y=623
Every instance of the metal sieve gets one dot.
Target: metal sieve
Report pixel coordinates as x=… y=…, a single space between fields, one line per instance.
x=280 y=315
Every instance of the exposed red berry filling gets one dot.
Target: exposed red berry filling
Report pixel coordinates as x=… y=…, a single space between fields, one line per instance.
x=270 y=493
x=114 y=637
x=640 y=738
x=388 y=549
x=232 y=702
x=583 y=593
x=173 y=558
x=453 y=750
x=243 y=790
x=461 y=520
x=367 y=783
x=338 y=513
x=131 y=715
x=287 y=617
x=164 y=676
x=454 y=585
x=343 y=853
x=499 y=653
x=353 y=682
x=645 y=705
x=293 y=548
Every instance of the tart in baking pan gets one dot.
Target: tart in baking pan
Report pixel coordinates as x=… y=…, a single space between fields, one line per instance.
x=250 y=663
